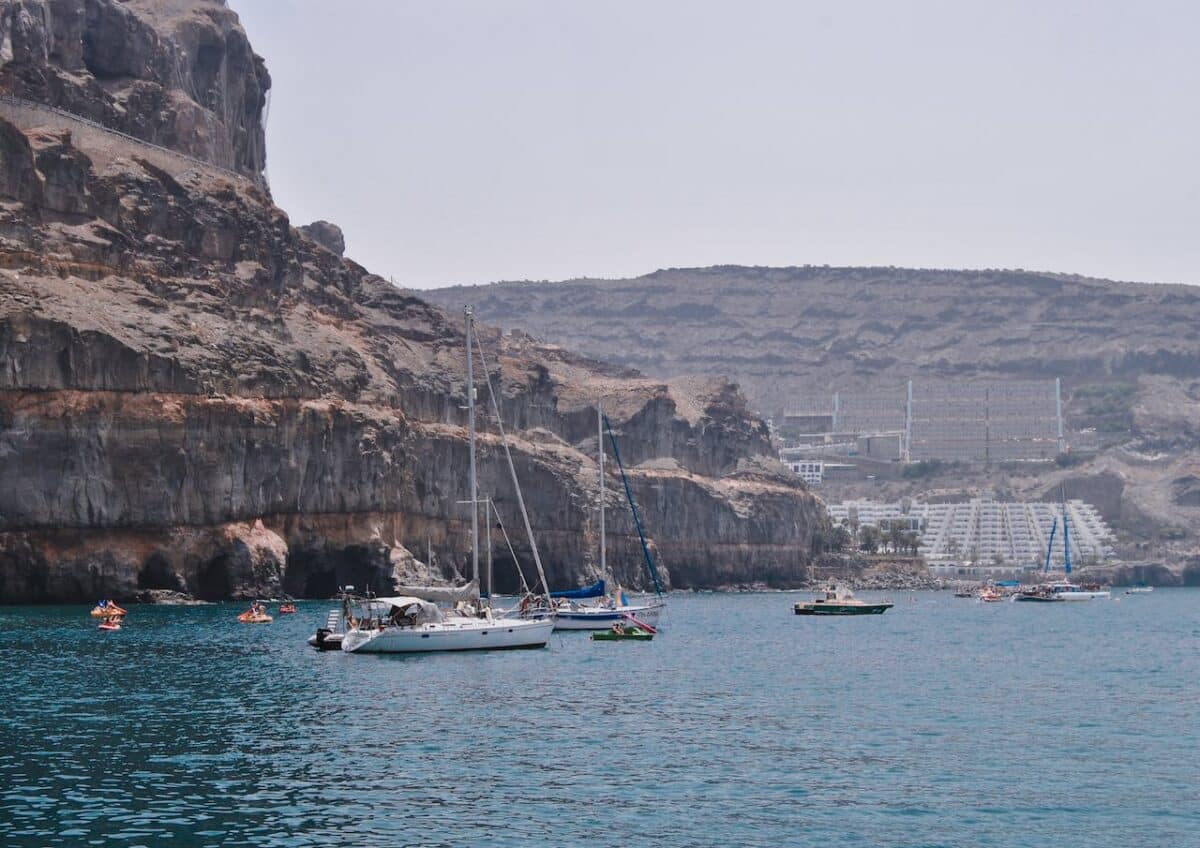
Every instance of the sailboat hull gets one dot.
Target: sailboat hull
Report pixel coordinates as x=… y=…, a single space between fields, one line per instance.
x=463 y=635
x=826 y=608
x=600 y=618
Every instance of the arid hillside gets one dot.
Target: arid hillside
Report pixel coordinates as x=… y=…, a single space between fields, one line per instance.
x=1128 y=355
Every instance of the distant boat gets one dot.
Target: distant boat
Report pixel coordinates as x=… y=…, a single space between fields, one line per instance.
x=1139 y=590
x=839 y=601
x=1061 y=590
x=1065 y=590
x=609 y=608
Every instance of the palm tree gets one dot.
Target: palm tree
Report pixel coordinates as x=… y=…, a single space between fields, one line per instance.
x=870 y=538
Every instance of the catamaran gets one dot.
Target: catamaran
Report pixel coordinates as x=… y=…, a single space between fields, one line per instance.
x=411 y=624
x=1061 y=590
x=607 y=608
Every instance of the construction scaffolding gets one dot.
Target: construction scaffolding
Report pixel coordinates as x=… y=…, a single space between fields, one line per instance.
x=965 y=421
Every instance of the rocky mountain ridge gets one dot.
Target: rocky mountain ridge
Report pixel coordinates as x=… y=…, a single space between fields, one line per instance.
x=782 y=333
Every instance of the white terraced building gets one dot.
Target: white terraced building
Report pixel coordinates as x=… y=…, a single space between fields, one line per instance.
x=982 y=530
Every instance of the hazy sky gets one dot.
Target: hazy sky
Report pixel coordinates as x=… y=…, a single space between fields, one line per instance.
x=501 y=139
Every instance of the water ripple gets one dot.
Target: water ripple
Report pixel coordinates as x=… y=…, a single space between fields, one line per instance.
x=941 y=723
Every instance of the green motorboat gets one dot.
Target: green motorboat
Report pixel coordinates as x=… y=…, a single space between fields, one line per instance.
x=623 y=632
x=839 y=601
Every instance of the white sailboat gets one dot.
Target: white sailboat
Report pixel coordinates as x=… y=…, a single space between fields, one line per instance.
x=1061 y=590
x=608 y=608
x=408 y=624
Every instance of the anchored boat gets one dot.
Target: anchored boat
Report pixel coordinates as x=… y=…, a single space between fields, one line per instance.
x=410 y=624
x=1061 y=590
x=838 y=600
x=570 y=609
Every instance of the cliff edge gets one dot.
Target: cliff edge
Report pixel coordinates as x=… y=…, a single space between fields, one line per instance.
x=196 y=396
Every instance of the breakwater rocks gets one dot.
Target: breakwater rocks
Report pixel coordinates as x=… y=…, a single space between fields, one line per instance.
x=862 y=572
x=196 y=397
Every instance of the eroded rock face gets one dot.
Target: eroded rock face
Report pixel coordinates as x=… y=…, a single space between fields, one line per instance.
x=179 y=73
x=196 y=397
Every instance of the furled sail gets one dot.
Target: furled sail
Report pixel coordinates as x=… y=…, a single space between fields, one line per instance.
x=596 y=590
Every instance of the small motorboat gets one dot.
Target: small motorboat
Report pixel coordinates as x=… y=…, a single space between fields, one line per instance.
x=106 y=609
x=991 y=596
x=113 y=623
x=840 y=601
x=287 y=608
x=1139 y=590
x=257 y=614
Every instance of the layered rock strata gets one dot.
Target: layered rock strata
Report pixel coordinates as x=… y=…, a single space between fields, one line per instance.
x=196 y=397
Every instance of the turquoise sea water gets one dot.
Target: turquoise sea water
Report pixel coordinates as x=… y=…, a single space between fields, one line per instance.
x=943 y=722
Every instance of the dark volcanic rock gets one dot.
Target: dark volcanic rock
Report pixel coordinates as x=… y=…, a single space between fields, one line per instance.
x=179 y=73
x=328 y=235
x=1186 y=490
x=195 y=397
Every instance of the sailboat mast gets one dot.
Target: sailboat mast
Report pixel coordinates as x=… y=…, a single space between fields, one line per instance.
x=491 y=588
x=600 y=448
x=1050 y=546
x=474 y=498
x=1066 y=541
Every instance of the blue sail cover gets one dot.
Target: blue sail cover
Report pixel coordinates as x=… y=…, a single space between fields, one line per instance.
x=596 y=590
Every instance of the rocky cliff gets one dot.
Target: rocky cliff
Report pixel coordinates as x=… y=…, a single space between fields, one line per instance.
x=196 y=396
x=1128 y=355
x=178 y=73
